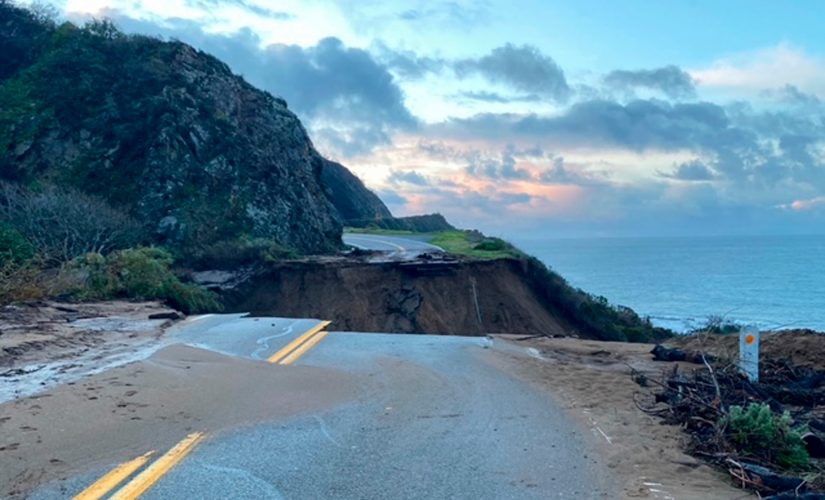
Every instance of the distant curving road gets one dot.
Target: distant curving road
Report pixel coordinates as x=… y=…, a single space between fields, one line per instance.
x=396 y=245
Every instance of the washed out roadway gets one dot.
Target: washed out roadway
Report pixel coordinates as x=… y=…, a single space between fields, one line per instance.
x=407 y=248
x=432 y=418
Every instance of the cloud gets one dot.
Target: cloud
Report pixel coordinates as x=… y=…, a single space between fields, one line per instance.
x=805 y=205
x=560 y=173
x=765 y=69
x=462 y=14
x=672 y=81
x=408 y=64
x=745 y=146
x=410 y=177
x=523 y=68
x=692 y=171
x=249 y=5
x=495 y=97
x=503 y=167
x=791 y=95
x=637 y=125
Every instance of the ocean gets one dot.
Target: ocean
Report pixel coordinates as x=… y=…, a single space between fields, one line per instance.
x=771 y=282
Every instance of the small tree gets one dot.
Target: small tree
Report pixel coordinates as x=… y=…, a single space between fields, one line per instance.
x=62 y=224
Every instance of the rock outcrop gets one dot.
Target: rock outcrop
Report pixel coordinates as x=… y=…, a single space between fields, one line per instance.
x=168 y=134
x=356 y=204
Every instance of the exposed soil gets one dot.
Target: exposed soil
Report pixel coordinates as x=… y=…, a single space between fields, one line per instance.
x=46 y=343
x=40 y=331
x=459 y=297
x=801 y=347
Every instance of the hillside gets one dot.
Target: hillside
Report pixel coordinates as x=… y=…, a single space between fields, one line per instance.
x=166 y=134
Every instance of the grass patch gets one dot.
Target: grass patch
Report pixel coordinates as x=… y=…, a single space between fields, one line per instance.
x=474 y=244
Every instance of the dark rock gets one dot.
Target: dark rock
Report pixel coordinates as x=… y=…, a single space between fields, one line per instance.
x=814 y=445
x=662 y=353
x=166 y=315
x=770 y=480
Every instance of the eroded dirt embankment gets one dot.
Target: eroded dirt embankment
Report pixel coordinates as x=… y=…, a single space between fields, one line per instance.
x=460 y=297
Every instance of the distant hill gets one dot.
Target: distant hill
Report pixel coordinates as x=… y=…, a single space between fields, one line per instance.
x=167 y=134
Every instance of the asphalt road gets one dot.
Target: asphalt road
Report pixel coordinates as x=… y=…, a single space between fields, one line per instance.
x=396 y=245
x=433 y=418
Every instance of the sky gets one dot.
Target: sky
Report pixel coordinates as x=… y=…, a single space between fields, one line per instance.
x=536 y=118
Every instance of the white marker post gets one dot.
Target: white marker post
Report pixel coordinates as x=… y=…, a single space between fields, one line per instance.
x=749 y=352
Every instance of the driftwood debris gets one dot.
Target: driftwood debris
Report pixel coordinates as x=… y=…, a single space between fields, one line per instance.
x=700 y=400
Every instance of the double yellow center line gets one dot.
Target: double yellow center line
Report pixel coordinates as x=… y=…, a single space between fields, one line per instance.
x=141 y=483
x=146 y=479
x=298 y=347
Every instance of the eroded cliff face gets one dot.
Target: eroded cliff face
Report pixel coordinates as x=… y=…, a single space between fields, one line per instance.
x=165 y=132
x=451 y=298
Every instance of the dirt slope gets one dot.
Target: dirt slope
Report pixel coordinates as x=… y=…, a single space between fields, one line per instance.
x=463 y=297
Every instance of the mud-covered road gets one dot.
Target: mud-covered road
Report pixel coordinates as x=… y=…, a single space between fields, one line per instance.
x=341 y=415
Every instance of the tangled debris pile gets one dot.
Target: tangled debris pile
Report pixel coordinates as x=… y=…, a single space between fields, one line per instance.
x=768 y=435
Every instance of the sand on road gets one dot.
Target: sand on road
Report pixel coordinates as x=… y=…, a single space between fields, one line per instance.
x=127 y=411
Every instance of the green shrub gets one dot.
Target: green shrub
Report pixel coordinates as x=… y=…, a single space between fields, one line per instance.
x=141 y=273
x=759 y=432
x=14 y=248
x=719 y=325
x=492 y=245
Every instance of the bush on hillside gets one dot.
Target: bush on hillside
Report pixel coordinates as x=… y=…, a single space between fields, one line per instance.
x=14 y=249
x=61 y=224
x=492 y=245
x=140 y=273
x=759 y=432
x=718 y=325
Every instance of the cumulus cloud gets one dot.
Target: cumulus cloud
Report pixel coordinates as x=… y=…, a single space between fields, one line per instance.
x=672 y=81
x=524 y=68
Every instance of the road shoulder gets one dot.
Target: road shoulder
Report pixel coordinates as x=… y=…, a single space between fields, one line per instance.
x=591 y=380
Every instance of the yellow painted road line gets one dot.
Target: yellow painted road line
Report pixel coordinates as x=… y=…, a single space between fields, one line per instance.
x=300 y=340
x=114 y=477
x=152 y=474
x=297 y=353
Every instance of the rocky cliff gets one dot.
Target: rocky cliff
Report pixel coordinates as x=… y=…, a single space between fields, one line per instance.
x=355 y=203
x=166 y=133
